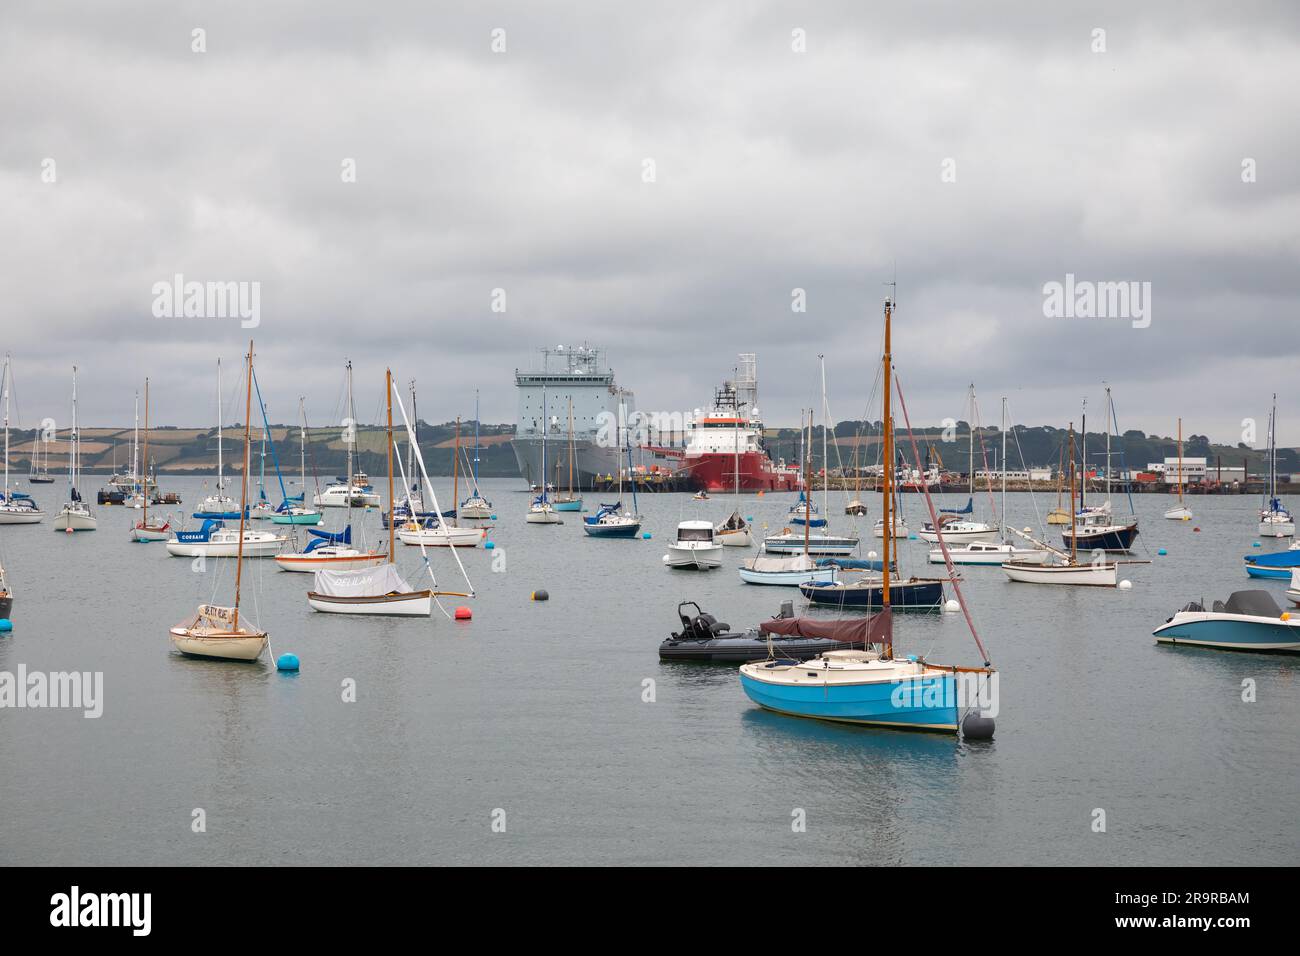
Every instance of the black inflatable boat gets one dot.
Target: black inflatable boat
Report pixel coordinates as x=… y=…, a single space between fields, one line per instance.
x=704 y=638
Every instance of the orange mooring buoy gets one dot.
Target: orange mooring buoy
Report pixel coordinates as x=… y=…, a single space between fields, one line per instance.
x=463 y=613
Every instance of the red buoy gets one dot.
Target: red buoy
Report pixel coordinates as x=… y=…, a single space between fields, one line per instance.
x=463 y=613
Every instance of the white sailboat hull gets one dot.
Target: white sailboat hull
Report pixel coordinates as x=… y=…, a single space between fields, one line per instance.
x=150 y=534
x=1180 y=513
x=1099 y=575
x=1276 y=529
x=255 y=546
x=443 y=537
x=990 y=555
x=546 y=516
x=313 y=562
x=401 y=604
x=21 y=516
x=76 y=520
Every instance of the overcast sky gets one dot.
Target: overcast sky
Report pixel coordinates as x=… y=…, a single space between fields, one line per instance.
x=774 y=169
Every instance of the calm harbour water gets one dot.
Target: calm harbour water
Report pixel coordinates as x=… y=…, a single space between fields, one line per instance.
x=536 y=708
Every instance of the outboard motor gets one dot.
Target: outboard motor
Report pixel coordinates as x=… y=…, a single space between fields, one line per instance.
x=786 y=612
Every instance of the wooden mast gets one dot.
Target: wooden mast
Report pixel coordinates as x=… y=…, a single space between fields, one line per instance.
x=243 y=481
x=392 y=504
x=1074 y=539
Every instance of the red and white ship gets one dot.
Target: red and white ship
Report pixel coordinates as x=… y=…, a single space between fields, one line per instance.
x=728 y=441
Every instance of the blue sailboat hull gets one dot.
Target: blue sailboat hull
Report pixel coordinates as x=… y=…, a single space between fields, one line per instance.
x=575 y=505
x=1260 y=571
x=902 y=594
x=1118 y=539
x=930 y=704
x=617 y=531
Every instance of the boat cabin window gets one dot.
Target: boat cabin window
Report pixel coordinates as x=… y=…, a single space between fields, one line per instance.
x=694 y=534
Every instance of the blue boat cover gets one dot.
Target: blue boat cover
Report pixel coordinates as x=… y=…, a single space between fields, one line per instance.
x=1276 y=559
x=970 y=507
x=605 y=509
x=322 y=538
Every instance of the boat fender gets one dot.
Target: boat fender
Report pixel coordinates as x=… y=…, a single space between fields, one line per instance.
x=287 y=662
x=6 y=625
x=1286 y=615
x=976 y=726
x=541 y=596
x=463 y=613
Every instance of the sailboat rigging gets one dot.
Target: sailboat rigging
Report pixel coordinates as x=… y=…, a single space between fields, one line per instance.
x=217 y=631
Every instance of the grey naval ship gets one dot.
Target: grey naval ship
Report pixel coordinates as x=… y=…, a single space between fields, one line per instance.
x=582 y=375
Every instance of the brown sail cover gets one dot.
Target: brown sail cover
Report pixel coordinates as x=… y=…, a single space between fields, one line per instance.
x=876 y=629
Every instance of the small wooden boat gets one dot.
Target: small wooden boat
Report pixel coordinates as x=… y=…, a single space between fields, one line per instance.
x=143 y=530
x=216 y=631
x=370 y=591
x=870 y=686
x=734 y=532
x=855 y=507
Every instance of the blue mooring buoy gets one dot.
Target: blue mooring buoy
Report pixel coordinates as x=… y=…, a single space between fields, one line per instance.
x=489 y=545
x=287 y=662
x=494 y=517
x=1255 y=545
x=6 y=625
x=1162 y=551
x=645 y=535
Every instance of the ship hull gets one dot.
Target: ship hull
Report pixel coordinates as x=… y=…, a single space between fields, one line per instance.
x=590 y=461
x=717 y=473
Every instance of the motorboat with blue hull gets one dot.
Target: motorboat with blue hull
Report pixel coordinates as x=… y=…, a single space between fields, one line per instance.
x=1278 y=564
x=926 y=593
x=704 y=639
x=1247 y=621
